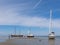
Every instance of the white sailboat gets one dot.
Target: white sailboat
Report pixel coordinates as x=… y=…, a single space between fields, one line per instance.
x=51 y=34
x=30 y=35
x=16 y=35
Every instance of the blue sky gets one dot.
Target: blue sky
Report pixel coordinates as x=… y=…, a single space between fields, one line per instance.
x=28 y=15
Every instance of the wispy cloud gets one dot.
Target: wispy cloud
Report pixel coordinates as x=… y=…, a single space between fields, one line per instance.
x=37 y=4
x=11 y=17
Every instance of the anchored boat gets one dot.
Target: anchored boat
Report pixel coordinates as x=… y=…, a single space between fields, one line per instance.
x=51 y=34
x=16 y=35
x=30 y=35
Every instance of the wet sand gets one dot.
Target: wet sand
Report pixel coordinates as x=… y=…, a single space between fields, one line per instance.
x=22 y=41
x=31 y=41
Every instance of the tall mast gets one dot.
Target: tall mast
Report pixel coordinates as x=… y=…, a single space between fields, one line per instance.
x=15 y=30
x=50 y=25
x=29 y=31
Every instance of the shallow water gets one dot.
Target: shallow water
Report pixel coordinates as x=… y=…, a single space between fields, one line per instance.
x=34 y=41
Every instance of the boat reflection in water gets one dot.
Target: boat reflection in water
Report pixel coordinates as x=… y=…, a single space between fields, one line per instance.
x=51 y=41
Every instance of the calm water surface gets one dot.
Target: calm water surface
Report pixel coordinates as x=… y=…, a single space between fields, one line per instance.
x=35 y=41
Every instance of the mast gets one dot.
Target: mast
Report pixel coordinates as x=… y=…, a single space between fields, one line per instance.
x=15 y=30
x=50 y=25
x=29 y=31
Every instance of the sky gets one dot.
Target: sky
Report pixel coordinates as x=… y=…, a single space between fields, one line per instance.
x=29 y=15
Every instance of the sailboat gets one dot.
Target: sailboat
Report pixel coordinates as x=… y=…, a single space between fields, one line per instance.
x=30 y=35
x=16 y=35
x=51 y=33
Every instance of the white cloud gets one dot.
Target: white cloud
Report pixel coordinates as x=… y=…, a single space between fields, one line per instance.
x=9 y=16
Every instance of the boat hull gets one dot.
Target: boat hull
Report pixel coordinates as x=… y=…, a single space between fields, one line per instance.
x=30 y=36
x=51 y=37
x=16 y=35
